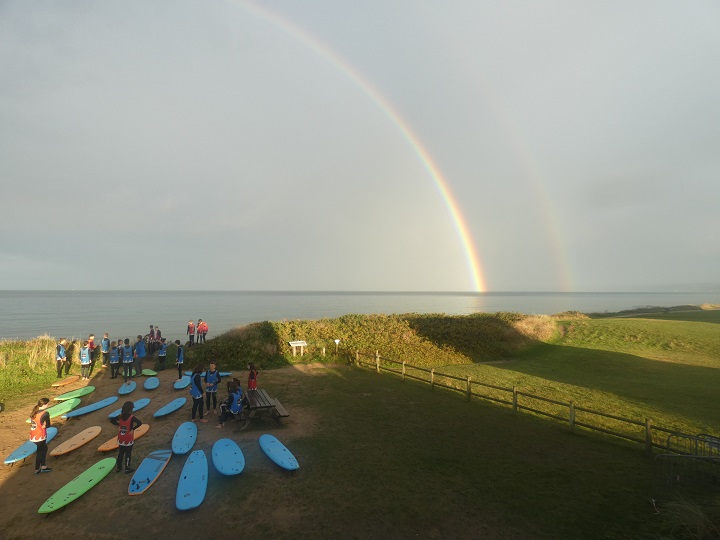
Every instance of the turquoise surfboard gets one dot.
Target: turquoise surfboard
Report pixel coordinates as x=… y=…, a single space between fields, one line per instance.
x=149 y=470
x=139 y=404
x=78 y=486
x=173 y=406
x=182 y=383
x=127 y=387
x=227 y=457
x=184 y=438
x=61 y=408
x=28 y=448
x=192 y=485
x=277 y=452
x=80 y=392
x=151 y=383
x=91 y=408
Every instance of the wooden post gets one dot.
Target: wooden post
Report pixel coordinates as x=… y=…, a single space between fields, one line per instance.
x=323 y=351
x=403 y=373
x=357 y=358
x=469 y=388
x=572 y=416
x=377 y=361
x=648 y=436
x=515 y=396
x=432 y=379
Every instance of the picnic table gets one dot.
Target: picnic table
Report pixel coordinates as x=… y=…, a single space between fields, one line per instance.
x=261 y=405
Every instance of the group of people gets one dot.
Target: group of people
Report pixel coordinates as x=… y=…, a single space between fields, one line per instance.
x=198 y=330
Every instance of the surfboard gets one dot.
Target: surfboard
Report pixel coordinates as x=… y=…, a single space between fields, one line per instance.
x=61 y=408
x=193 y=482
x=80 y=392
x=222 y=373
x=137 y=405
x=184 y=438
x=227 y=457
x=277 y=452
x=149 y=470
x=28 y=448
x=149 y=372
x=78 y=486
x=173 y=406
x=151 y=383
x=90 y=408
x=127 y=387
x=75 y=442
x=112 y=444
x=68 y=380
x=182 y=383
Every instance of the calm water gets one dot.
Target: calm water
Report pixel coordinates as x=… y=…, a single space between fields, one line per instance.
x=27 y=314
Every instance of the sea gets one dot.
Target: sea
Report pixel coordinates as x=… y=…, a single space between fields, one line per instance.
x=76 y=314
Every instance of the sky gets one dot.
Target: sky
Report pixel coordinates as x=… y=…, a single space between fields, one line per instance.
x=413 y=145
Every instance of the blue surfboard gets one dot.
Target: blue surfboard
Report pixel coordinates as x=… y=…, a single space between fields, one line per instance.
x=173 y=406
x=91 y=408
x=277 y=452
x=149 y=471
x=193 y=482
x=227 y=457
x=127 y=387
x=28 y=448
x=139 y=404
x=184 y=438
x=151 y=383
x=221 y=373
x=182 y=383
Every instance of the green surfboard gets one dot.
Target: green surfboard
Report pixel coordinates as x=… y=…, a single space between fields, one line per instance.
x=80 y=392
x=78 y=486
x=149 y=372
x=61 y=408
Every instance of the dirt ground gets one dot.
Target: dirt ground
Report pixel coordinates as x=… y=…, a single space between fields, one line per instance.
x=107 y=511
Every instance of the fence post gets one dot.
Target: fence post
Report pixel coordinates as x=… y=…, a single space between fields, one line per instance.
x=323 y=351
x=648 y=436
x=515 y=396
x=357 y=358
x=572 y=416
x=469 y=388
x=403 y=373
x=377 y=361
x=432 y=379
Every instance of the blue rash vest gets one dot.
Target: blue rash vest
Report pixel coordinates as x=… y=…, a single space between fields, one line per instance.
x=85 y=356
x=127 y=354
x=212 y=378
x=196 y=386
x=114 y=356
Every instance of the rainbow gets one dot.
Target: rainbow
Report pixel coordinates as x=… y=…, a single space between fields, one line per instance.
x=461 y=227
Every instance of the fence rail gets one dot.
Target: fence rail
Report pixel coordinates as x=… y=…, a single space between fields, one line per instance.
x=644 y=433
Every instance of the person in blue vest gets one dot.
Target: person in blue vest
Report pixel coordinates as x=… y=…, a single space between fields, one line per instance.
x=140 y=354
x=85 y=361
x=61 y=358
x=212 y=378
x=196 y=391
x=232 y=406
x=114 y=360
x=127 y=359
x=105 y=349
x=162 y=354
x=180 y=358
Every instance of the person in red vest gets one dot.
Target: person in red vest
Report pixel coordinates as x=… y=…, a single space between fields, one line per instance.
x=39 y=422
x=191 y=332
x=127 y=424
x=202 y=331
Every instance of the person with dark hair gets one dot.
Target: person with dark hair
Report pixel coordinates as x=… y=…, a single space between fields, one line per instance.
x=39 y=422
x=252 y=376
x=105 y=349
x=212 y=379
x=162 y=354
x=232 y=406
x=127 y=360
x=61 y=359
x=127 y=424
x=180 y=358
x=85 y=360
x=139 y=355
x=191 y=332
x=114 y=359
x=196 y=391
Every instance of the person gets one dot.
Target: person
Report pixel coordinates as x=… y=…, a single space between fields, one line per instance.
x=93 y=352
x=151 y=340
x=162 y=354
x=85 y=360
x=114 y=360
x=61 y=358
x=105 y=349
x=180 y=358
x=39 y=422
x=139 y=355
x=252 y=376
x=232 y=406
x=127 y=359
x=212 y=379
x=191 y=332
x=158 y=338
x=196 y=391
x=127 y=424
x=202 y=330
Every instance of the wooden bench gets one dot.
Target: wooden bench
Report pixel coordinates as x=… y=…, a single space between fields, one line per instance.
x=298 y=345
x=282 y=412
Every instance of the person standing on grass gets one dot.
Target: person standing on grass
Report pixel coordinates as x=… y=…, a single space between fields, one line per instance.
x=105 y=349
x=127 y=359
x=139 y=355
x=114 y=360
x=212 y=378
x=191 y=332
x=93 y=352
x=202 y=330
x=39 y=422
x=127 y=424
x=61 y=358
x=162 y=354
x=85 y=361
x=151 y=341
x=196 y=391
x=180 y=358
x=252 y=376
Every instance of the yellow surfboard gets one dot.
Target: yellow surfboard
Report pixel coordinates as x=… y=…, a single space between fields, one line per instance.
x=69 y=380
x=112 y=444
x=76 y=441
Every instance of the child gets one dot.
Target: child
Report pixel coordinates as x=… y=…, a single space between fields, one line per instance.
x=252 y=376
x=127 y=358
x=61 y=358
x=232 y=406
x=39 y=422
x=162 y=354
x=92 y=347
x=114 y=360
x=212 y=378
x=85 y=360
x=196 y=391
x=105 y=349
x=180 y=358
x=139 y=355
x=127 y=424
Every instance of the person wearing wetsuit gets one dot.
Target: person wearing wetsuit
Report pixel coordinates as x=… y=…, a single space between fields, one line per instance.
x=39 y=422
x=61 y=358
x=196 y=391
x=232 y=406
x=127 y=359
x=127 y=424
x=212 y=378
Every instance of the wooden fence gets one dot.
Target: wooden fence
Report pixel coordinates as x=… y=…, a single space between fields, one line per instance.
x=645 y=433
